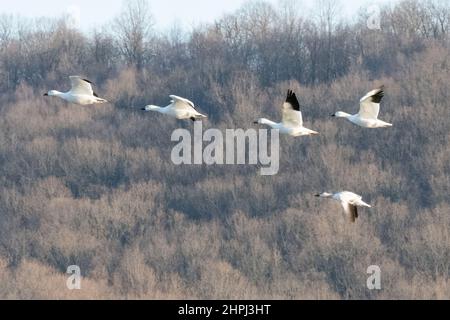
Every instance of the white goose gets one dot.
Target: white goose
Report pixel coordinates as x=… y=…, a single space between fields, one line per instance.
x=81 y=92
x=292 y=123
x=349 y=200
x=368 y=112
x=179 y=108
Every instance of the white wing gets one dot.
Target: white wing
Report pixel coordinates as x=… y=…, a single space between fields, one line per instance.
x=291 y=118
x=349 y=197
x=181 y=103
x=81 y=86
x=370 y=104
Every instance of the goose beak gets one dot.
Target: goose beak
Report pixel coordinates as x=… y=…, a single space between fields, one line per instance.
x=255 y=122
x=143 y=109
x=333 y=115
x=317 y=195
x=45 y=94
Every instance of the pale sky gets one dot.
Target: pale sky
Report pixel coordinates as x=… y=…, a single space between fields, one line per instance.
x=96 y=13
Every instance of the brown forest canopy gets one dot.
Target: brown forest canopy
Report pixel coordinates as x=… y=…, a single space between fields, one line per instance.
x=95 y=187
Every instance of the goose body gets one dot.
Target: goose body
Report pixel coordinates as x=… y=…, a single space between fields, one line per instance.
x=81 y=92
x=350 y=202
x=179 y=108
x=292 y=122
x=367 y=117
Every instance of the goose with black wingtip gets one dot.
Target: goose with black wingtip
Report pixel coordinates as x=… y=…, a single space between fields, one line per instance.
x=350 y=202
x=81 y=92
x=292 y=121
x=367 y=117
x=179 y=108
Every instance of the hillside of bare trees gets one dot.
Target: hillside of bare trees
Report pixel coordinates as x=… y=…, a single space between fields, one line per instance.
x=95 y=186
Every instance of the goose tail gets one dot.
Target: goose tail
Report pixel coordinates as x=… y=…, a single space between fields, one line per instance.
x=365 y=204
x=101 y=101
x=200 y=116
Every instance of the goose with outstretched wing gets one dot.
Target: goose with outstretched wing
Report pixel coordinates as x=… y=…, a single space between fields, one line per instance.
x=292 y=119
x=369 y=110
x=179 y=108
x=81 y=92
x=350 y=202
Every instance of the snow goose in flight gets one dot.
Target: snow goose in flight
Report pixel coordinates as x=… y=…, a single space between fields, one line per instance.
x=349 y=200
x=179 y=108
x=368 y=112
x=292 y=123
x=81 y=92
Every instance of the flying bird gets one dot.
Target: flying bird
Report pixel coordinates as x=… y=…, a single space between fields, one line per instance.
x=292 y=121
x=179 y=108
x=368 y=112
x=81 y=92
x=350 y=202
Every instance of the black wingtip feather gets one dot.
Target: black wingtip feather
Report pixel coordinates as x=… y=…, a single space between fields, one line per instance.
x=292 y=99
x=379 y=95
x=88 y=81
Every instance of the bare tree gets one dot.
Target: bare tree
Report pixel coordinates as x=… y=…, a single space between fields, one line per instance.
x=6 y=29
x=133 y=29
x=95 y=187
x=328 y=14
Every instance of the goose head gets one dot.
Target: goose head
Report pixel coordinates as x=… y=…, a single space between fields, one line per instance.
x=151 y=108
x=262 y=121
x=51 y=93
x=341 y=114
x=324 y=195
